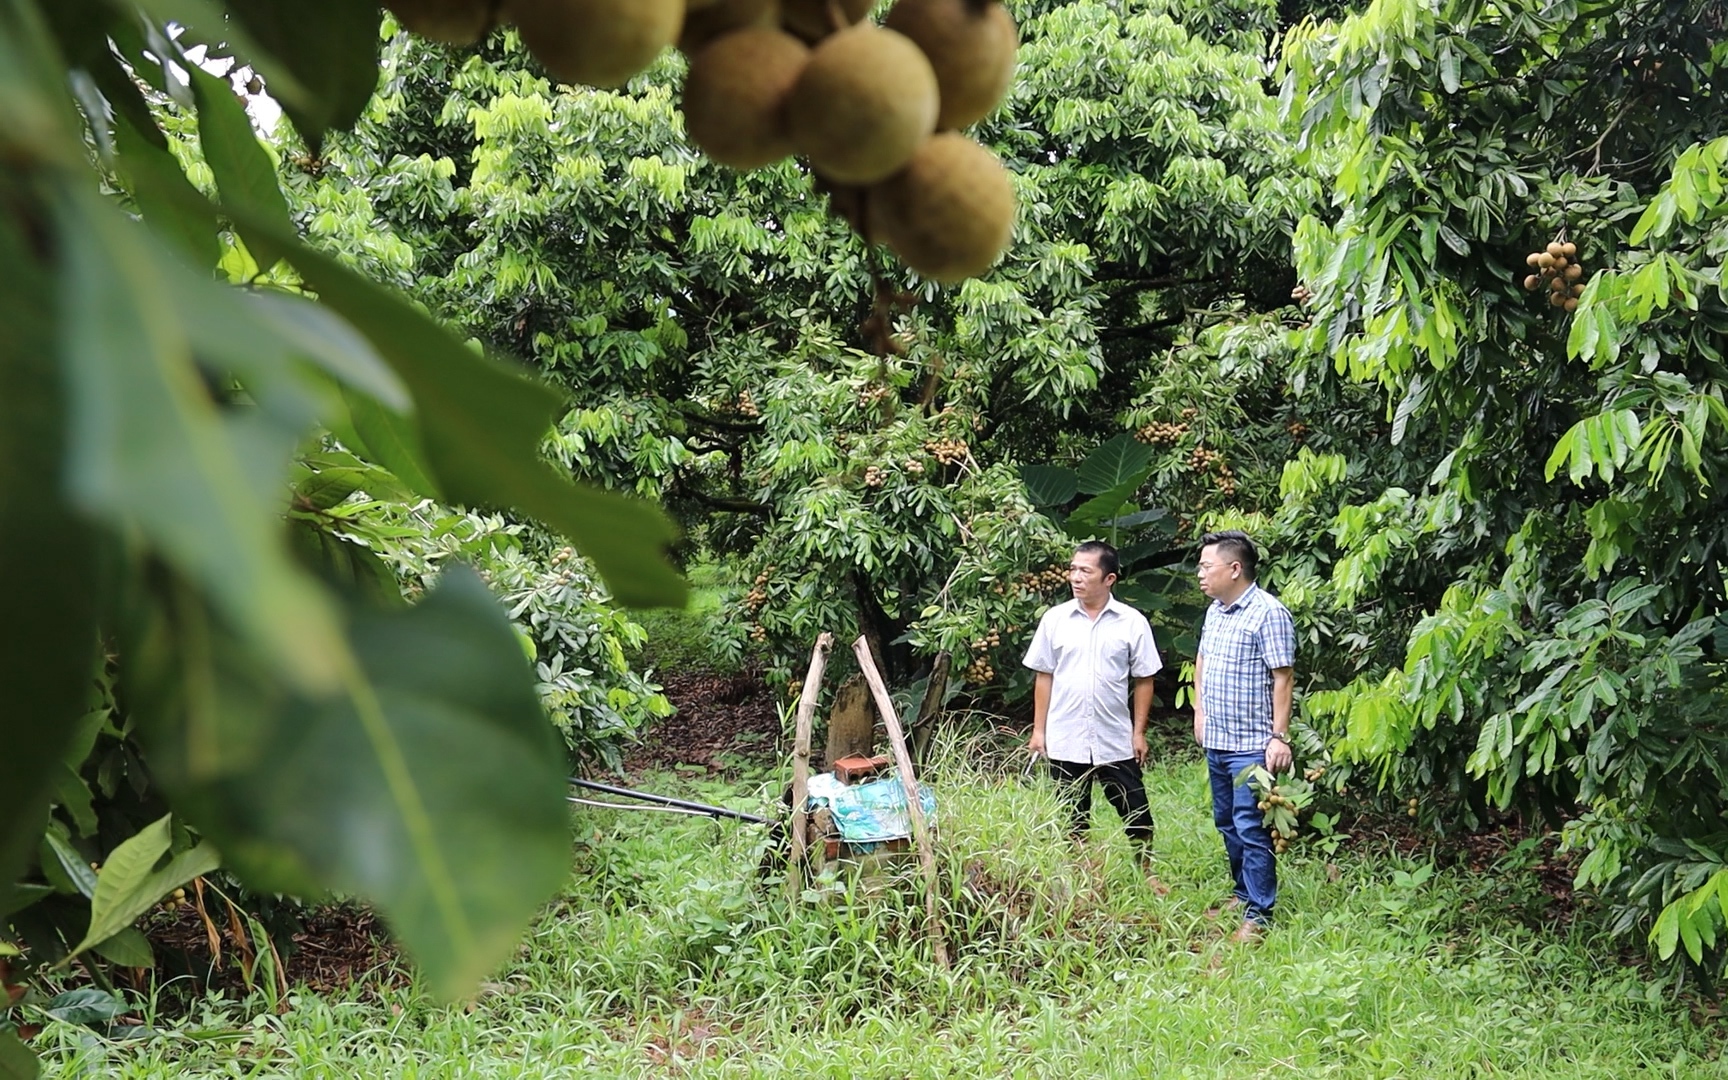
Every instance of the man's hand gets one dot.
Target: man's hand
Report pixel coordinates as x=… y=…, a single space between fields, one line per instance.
x=1035 y=745
x=1199 y=727
x=1278 y=756
x=1140 y=747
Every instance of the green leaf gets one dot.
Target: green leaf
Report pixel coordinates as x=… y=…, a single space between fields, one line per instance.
x=481 y=426
x=207 y=21
x=298 y=327
x=16 y=1060
x=327 y=487
x=86 y=1006
x=129 y=948
x=435 y=789
x=391 y=440
x=353 y=569
x=1449 y=68
x=22 y=895
x=39 y=121
x=149 y=171
x=47 y=555
x=1138 y=518
x=1094 y=512
x=149 y=454
x=1113 y=463
x=1665 y=935
x=245 y=175
x=74 y=796
x=1690 y=938
x=129 y=885
x=1049 y=485
x=60 y=854
x=331 y=46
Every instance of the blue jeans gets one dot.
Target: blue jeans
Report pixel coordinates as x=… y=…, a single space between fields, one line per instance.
x=1246 y=840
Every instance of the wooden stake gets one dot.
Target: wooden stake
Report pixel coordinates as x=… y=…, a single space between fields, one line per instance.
x=924 y=724
x=914 y=808
x=801 y=762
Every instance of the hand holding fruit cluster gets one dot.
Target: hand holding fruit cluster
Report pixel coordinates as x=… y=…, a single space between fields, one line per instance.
x=1557 y=265
x=873 y=109
x=1281 y=800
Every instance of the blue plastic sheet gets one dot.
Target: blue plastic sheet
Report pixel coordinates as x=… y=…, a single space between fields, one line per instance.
x=871 y=812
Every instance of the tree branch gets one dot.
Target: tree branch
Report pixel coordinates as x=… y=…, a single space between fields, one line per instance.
x=742 y=427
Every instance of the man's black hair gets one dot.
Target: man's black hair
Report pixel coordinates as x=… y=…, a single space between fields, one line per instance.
x=1107 y=560
x=1235 y=546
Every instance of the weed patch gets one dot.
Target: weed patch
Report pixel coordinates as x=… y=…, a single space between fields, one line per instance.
x=670 y=954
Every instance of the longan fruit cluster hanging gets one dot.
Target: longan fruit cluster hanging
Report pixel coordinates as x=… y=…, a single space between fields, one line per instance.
x=1158 y=433
x=1558 y=267
x=872 y=108
x=947 y=451
x=981 y=670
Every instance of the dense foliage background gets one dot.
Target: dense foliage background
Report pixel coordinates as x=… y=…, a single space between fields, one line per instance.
x=1267 y=274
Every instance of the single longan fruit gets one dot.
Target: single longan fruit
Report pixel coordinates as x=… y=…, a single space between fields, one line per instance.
x=1556 y=299
x=1561 y=262
x=1571 y=304
x=1568 y=249
x=1531 y=282
x=971 y=45
x=735 y=96
x=863 y=104
x=1533 y=259
x=1555 y=248
x=814 y=20
x=709 y=19
x=1544 y=260
x=949 y=214
x=1574 y=272
x=454 y=22
x=1558 y=284
x=1577 y=290
x=596 y=42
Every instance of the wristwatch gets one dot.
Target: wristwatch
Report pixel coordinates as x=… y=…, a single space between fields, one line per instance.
x=1281 y=737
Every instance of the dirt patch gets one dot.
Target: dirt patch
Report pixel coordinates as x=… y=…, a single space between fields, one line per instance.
x=325 y=949
x=1518 y=867
x=719 y=717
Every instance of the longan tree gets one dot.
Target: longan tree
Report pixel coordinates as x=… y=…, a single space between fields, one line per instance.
x=197 y=404
x=810 y=405
x=1524 y=257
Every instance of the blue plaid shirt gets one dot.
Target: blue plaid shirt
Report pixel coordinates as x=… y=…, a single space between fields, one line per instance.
x=1240 y=646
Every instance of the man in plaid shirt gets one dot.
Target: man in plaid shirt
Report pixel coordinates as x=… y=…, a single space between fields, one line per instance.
x=1244 y=675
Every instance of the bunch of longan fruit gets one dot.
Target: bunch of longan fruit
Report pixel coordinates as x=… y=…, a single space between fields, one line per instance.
x=1158 y=433
x=947 y=451
x=874 y=109
x=1558 y=266
x=979 y=672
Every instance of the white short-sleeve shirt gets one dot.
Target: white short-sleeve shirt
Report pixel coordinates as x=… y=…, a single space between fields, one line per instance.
x=1092 y=664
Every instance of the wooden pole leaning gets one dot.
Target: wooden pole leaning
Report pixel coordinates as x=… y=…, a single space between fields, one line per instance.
x=914 y=808
x=801 y=763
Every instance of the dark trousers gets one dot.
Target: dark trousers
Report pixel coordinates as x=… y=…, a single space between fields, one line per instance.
x=1123 y=786
x=1253 y=866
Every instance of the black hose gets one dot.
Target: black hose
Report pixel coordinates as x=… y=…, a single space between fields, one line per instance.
x=663 y=800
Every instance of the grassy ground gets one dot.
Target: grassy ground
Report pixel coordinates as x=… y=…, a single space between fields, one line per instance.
x=681 y=639
x=668 y=956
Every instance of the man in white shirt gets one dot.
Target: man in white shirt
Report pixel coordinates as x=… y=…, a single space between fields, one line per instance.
x=1095 y=659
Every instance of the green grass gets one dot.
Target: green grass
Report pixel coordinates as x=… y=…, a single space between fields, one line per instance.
x=686 y=639
x=668 y=956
